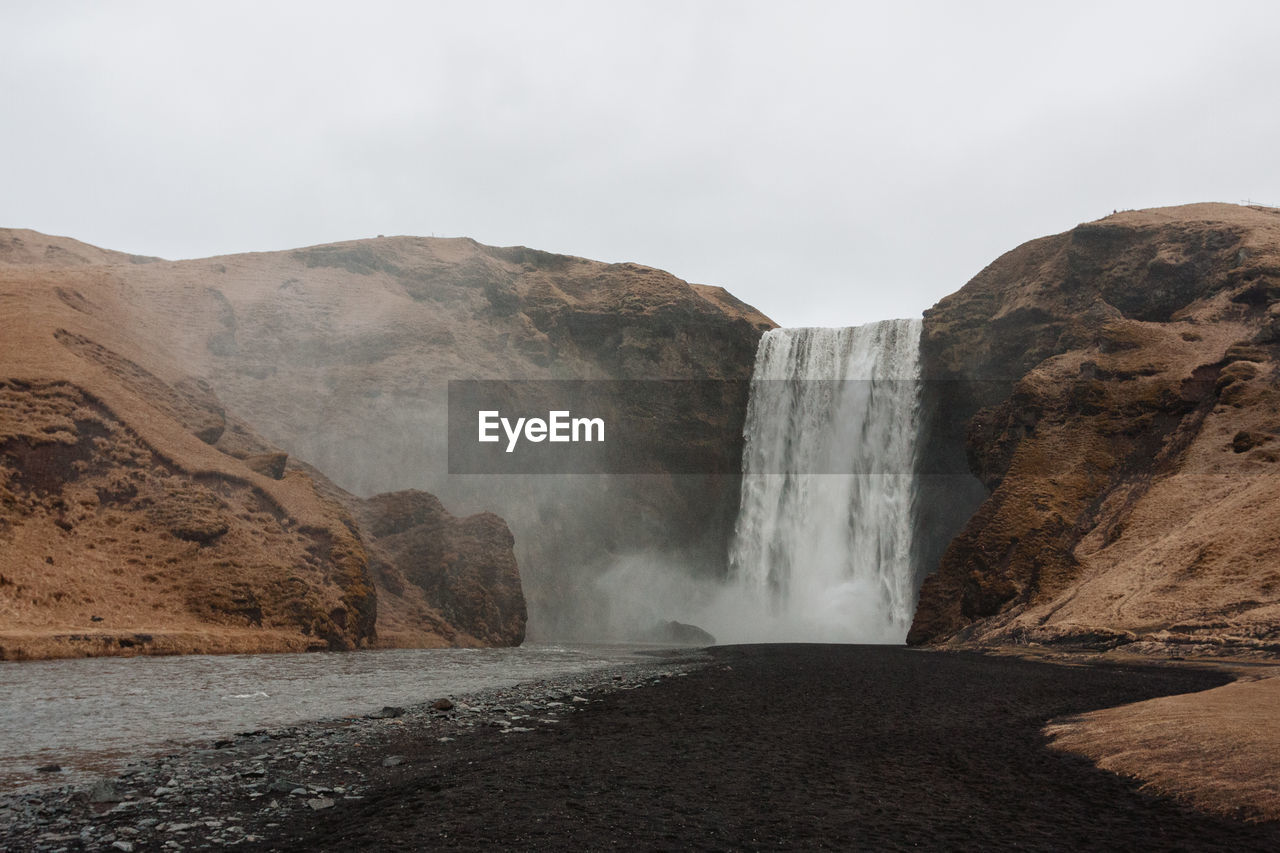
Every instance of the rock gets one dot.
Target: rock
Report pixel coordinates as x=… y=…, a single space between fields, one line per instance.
x=467 y=566
x=677 y=634
x=268 y=464
x=49 y=768
x=319 y=803
x=442 y=705
x=387 y=712
x=1245 y=440
x=104 y=791
x=123 y=846
x=393 y=761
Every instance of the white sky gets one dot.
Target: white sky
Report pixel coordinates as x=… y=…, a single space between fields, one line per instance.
x=831 y=163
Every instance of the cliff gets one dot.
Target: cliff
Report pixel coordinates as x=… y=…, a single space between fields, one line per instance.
x=138 y=516
x=1117 y=390
x=341 y=355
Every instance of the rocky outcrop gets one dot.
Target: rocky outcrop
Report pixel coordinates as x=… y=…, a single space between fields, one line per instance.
x=138 y=515
x=1115 y=390
x=454 y=577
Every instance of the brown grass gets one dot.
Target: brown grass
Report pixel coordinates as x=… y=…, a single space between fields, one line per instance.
x=1218 y=750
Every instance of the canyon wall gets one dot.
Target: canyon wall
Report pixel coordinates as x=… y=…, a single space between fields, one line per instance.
x=1115 y=390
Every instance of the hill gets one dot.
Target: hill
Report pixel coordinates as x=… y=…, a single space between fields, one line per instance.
x=1115 y=389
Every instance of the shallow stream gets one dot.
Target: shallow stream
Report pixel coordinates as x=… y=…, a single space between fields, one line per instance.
x=96 y=714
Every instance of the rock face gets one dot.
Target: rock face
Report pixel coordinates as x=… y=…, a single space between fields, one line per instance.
x=425 y=560
x=138 y=516
x=1117 y=388
x=341 y=355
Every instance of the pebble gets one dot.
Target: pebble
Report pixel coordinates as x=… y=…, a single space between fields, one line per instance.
x=388 y=712
x=104 y=791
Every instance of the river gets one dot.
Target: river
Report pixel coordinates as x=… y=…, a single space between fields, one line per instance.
x=93 y=715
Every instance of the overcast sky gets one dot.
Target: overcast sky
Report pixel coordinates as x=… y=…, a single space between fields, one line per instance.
x=831 y=163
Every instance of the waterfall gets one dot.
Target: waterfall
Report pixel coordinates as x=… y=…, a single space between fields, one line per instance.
x=822 y=547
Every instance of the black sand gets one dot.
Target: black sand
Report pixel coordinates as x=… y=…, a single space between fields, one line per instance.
x=788 y=747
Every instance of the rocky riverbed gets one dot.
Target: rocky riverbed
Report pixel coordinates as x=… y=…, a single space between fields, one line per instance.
x=238 y=790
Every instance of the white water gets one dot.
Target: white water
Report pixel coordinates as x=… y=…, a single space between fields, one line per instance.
x=822 y=548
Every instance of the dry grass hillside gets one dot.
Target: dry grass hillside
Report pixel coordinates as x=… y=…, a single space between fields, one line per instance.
x=1217 y=750
x=1120 y=387
x=137 y=516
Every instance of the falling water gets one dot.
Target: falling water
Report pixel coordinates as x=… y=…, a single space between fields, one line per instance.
x=822 y=548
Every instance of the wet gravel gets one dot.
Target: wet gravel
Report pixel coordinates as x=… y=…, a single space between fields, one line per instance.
x=784 y=747
x=242 y=790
